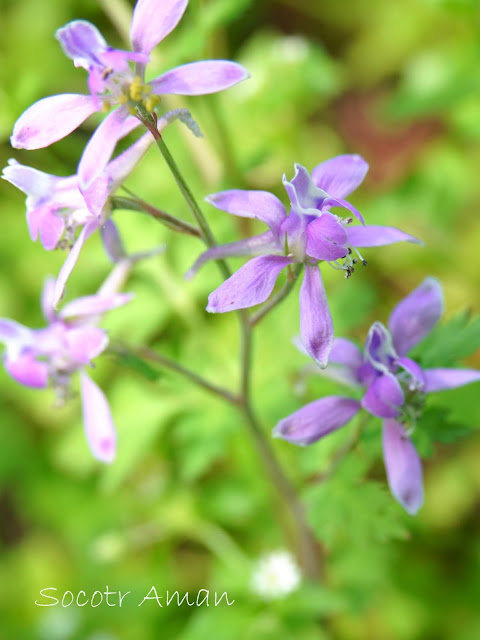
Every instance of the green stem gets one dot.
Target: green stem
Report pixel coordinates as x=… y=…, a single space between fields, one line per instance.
x=137 y=204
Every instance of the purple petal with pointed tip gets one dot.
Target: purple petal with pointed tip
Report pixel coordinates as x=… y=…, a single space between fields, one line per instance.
x=260 y=205
x=341 y=175
x=326 y=238
x=376 y=236
x=98 y=421
x=11 y=331
x=51 y=119
x=305 y=197
x=258 y=245
x=36 y=184
x=28 y=371
x=199 y=78
x=415 y=316
x=414 y=370
x=100 y=147
x=440 y=379
x=316 y=328
x=344 y=362
x=316 y=420
x=250 y=285
x=85 y=343
x=92 y=305
x=344 y=204
x=379 y=349
x=71 y=260
x=112 y=242
x=153 y=21
x=384 y=397
x=403 y=467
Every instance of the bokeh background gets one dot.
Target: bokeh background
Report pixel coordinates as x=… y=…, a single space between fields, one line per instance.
x=187 y=505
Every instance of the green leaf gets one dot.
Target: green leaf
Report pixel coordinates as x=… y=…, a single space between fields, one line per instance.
x=435 y=425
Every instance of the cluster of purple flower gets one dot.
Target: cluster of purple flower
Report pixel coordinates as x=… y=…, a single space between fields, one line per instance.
x=307 y=234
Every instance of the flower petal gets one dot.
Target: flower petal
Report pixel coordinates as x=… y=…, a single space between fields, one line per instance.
x=98 y=421
x=11 y=331
x=379 y=349
x=112 y=242
x=122 y=166
x=415 y=316
x=403 y=467
x=92 y=305
x=305 y=197
x=48 y=293
x=44 y=222
x=316 y=328
x=250 y=285
x=260 y=205
x=317 y=419
x=341 y=175
x=199 y=78
x=152 y=21
x=440 y=379
x=71 y=260
x=415 y=370
x=376 y=236
x=384 y=396
x=258 y=245
x=344 y=204
x=51 y=119
x=36 y=184
x=82 y=42
x=28 y=371
x=326 y=238
x=100 y=147
x=344 y=362
x=85 y=343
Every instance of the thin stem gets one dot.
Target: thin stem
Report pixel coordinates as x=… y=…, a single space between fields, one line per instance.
x=137 y=204
x=292 y=277
x=164 y=361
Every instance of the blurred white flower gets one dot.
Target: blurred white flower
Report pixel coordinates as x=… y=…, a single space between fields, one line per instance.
x=276 y=575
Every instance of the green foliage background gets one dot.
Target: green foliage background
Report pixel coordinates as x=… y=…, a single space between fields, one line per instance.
x=187 y=505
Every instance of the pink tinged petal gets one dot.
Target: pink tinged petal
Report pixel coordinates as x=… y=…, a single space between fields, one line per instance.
x=51 y=119
x=85 y=343
x=316 y=328
x=28 y=371
x=100 y=147
x=98 y=421
x=82 y=42
x=416 y=315
x=71 y=260
x=403 y=467
x=260 y=205
x=316 y=420
x=376 y=236
x=250 y=285
x=44 y=223
x=37 y=185
x=326 y=238
x=152 y=21
x=440 y=379
x=92 y=305
x=258 y=245
x=96 y=195
x=384 y=397
x=122 y=166
x=199 y=78
x=341 y=175
x=11 y=331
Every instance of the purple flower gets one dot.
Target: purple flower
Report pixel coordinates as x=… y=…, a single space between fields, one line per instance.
x=50 y=356
x=395 y=389
x=112 y=81
x=309 y=234
x=57 y=207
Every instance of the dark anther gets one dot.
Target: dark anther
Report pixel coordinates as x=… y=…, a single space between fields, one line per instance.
x=364 y=262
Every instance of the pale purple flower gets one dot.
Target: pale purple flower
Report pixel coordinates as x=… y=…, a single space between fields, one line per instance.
x=58 y=207
x=50 y=356
x=395 y=389
x=113 y=81
x=310 y=234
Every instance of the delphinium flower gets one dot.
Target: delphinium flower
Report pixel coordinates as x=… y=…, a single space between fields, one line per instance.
x=394 y=387
x=117 y=78
x=52 y=355
x=57 y=207
x=310 y=234
x=276 y=575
